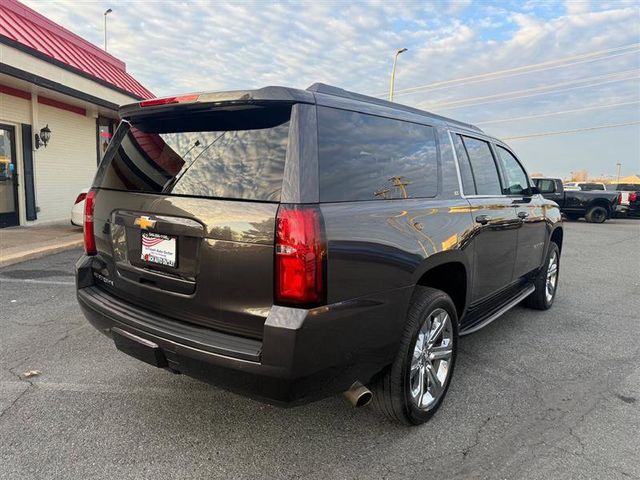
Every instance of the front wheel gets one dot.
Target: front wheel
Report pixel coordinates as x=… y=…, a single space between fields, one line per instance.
x=412 y=389
x=546 y=281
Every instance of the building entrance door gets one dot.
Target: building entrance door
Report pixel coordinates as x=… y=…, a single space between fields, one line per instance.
x=8 y=178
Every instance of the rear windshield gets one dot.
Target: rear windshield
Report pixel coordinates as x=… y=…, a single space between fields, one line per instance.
x=236 y=154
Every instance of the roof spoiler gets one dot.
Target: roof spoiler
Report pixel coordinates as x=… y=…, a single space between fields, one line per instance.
x=205 y=100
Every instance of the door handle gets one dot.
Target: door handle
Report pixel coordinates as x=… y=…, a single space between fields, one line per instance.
x=483 y=219
x=522 y=215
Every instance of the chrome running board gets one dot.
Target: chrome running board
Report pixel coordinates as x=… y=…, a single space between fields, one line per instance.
x=501 y=311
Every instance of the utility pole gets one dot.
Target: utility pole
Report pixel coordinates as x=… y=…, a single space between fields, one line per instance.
x=393 y=71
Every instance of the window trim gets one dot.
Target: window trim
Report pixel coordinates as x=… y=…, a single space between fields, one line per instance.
x=439 y=167
x=453 y=131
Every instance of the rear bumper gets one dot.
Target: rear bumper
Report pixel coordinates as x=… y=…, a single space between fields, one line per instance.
x=621 y=208
x=304 y=355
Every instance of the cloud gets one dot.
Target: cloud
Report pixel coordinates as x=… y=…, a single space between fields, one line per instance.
x=577 y=7
x=200 y=45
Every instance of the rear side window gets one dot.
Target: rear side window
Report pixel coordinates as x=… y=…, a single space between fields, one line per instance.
x=483 y=166
x=516 y=178
x=237 y=154
x=364 y=157
x=546 y=186
x=468 y=183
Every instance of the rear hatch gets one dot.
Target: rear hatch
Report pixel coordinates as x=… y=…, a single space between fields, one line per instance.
x=185 y=209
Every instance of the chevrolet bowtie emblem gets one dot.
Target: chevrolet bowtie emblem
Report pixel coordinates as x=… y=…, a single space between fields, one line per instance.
x=145 y=223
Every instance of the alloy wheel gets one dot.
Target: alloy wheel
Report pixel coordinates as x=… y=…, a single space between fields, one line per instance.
x=552 y=277
x=431 y=359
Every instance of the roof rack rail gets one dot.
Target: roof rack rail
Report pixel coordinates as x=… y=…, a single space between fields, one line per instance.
x=341 y=92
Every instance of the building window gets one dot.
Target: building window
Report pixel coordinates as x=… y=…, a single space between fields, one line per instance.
x=104 y=130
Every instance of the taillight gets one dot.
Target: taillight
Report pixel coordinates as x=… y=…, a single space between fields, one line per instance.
x=633 y=196
x=168 y=100
x=80 y=198
x=89 y=237
x=300 y=256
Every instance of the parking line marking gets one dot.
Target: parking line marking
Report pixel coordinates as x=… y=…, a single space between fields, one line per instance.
x=28 y=280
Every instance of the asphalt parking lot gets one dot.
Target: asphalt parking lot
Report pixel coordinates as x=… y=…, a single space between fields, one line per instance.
x=535 y=395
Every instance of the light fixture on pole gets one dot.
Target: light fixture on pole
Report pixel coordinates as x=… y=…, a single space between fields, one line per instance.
x=107 y=12
x=393 y=71
x=619 y=165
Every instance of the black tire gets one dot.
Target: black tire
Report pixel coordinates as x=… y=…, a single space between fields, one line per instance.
x=596 y=215
x=391 y=390
x=539 y=299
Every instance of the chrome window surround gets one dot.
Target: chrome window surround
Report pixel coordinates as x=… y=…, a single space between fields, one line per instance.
x=492 y=145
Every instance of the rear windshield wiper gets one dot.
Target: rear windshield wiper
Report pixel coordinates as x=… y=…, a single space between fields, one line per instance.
x=169 y=186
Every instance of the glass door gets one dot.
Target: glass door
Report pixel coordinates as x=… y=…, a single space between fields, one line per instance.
x=8 y=178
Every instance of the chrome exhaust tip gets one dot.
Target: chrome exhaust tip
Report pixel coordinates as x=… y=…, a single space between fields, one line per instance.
x=358 y=395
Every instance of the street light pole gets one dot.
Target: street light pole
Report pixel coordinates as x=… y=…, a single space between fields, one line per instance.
x=619 y=165
x=393 y=71
x=107 y=12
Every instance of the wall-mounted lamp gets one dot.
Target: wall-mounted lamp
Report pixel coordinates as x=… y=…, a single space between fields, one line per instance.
x=43 y=138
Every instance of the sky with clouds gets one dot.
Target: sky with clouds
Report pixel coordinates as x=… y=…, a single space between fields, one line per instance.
x=177 y=47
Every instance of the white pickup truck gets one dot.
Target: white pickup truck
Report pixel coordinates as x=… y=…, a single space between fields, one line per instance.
x=629 y=197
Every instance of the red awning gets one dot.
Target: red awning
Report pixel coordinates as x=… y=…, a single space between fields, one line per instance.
x=35 y=32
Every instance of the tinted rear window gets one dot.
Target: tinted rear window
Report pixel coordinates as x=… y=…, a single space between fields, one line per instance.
x=468 y=183
x=546 y=185
x=485 y=172
x=364 y=157
x=236 y=154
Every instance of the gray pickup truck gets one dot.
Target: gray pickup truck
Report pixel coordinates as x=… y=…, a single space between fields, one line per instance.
x=595 y=206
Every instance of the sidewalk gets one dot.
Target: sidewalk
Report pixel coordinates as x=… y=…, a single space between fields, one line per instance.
x=18 y=244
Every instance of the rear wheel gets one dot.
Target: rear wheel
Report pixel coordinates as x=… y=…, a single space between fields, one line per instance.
x=596 y=215
x=413 y=388
x=546 y=281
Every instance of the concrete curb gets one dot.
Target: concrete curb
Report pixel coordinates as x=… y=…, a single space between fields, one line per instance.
x=12 y=259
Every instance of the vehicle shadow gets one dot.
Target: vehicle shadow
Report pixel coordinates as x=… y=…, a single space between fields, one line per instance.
x=328 y=438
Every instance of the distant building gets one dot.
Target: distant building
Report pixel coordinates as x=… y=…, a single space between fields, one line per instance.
x=51 y=77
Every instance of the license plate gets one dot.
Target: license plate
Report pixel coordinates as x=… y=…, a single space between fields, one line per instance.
x=157 y=248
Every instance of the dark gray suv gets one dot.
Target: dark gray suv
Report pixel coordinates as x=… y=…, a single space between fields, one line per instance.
x=291 y=244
